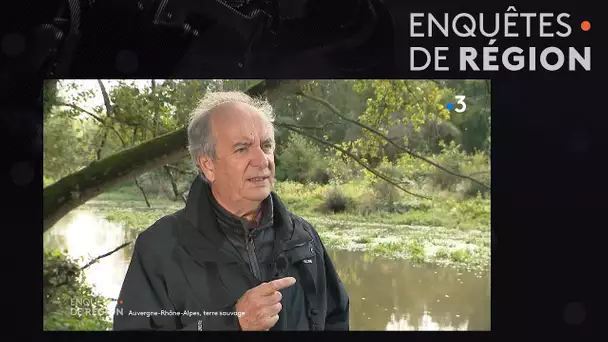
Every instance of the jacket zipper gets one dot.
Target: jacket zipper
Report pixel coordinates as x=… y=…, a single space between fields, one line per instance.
x=253 y=260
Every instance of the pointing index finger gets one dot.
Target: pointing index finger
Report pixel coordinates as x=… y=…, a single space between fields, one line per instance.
x=279 y=284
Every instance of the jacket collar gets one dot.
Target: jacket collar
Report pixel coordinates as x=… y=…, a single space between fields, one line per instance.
x=234 y=225
x=199 y=213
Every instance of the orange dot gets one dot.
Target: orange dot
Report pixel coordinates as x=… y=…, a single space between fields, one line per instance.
x=585 y=25
x=120 y=301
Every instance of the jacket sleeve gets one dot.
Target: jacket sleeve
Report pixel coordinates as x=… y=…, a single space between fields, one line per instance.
x=143 y=296
x=338 y=302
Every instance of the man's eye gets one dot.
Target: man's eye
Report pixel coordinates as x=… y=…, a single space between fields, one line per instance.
x=240 y=149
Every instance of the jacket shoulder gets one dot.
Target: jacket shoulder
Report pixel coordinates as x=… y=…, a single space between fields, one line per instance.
x=160 y=236
x=300 y=221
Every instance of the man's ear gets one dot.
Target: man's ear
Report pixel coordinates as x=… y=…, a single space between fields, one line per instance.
x=207 y=167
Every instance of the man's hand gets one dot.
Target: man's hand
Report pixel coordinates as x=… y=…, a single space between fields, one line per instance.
x=261 y=305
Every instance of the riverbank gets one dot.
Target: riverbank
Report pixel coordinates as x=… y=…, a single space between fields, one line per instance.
x=415 y=235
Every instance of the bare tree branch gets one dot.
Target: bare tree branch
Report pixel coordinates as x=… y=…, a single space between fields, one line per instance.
x=413 y=154
x=106 y=254
x=96 y=117
x=106 y=98
x=93 y=261
x=355 y=158
x=316 y=127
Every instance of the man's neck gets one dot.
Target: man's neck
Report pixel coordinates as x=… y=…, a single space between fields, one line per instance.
x=246 y=210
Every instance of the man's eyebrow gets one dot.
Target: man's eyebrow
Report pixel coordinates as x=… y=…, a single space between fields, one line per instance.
x=241 y=144
x=244 y=143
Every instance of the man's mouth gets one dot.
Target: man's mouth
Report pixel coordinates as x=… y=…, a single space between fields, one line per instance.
x=258 y=179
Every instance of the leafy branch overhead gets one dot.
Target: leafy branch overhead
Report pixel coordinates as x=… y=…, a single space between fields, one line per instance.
x=336 y=112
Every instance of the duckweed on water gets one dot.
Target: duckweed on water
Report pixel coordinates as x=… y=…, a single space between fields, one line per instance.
x=452 y=247
x=442 y=246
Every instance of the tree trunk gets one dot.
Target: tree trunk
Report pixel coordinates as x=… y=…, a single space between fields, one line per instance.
x=103 y=143
x=155 y=120
x=141 y=189
x=143 y=192
x=173 y=184
x=75 y=189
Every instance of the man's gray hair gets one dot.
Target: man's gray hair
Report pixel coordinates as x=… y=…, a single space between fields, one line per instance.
x=200 y=136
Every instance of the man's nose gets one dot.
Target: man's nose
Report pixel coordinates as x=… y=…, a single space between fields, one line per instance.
x=258 y=158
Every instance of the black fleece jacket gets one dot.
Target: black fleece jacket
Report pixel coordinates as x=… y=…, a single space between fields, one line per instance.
x=190 y=267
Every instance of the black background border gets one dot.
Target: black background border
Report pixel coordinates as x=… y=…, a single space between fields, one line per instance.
x=548 y=178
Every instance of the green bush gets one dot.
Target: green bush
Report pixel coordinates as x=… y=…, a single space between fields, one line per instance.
x=452 y=157
x=336 y=201
x=387 y=194
x=301 y=161
x=69 y=303
x=473 y=213
x=342 y=169
x=367 y=204
x=476 y=166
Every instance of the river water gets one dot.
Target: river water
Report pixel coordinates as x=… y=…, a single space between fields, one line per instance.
x=385 y=294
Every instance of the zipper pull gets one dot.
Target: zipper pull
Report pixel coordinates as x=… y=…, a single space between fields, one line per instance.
x=247 y=238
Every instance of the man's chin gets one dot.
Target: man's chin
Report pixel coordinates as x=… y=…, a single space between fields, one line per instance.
x=258 y=194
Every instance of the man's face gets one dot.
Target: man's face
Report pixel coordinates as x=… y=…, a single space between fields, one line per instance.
x=244 y=145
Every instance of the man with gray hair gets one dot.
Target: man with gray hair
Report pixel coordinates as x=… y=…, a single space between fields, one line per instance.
x=234 y=258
